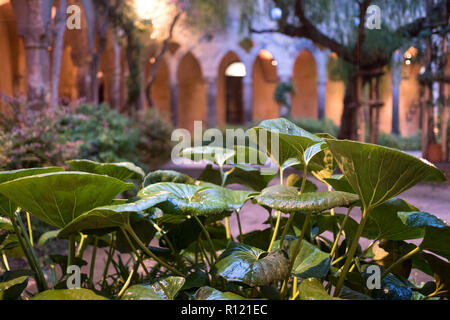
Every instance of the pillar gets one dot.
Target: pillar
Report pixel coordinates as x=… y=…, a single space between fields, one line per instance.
x=211 y=101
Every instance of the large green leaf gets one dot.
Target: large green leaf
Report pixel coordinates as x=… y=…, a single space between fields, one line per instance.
x=377 y=173
x=311 y=262
x=244 y=175
x=291 y=140
x=215 y=155
x=7 y=207
x=417 y=219
x=288 y=200
x=111 y=216
x=121 y=170
x=59 y=198
x=167 y=176
x=312 y=289
x=190 y=199
x=165 y=289
x=11 y=289
x=437 y=240
x=208 y=293
x=389 y=224
x=252 y=266
x=68 y=294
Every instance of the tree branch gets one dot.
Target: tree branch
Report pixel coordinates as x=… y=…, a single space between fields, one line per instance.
x=158 y=58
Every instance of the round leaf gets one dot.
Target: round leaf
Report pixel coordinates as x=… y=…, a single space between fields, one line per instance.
x=377 y=173
x=287 y=199
x=166 y=289
x=252 y=266
x=122 y=170
x=68 y=294
x=59 y=198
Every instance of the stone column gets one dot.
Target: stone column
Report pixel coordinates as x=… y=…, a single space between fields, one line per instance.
x=321 y=97
x=211 y=90
x=322 y=78
x=396 y=79
x=248 y=99
x=174 y=103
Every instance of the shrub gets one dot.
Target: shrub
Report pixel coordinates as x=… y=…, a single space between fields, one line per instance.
x=154 y=144
x=34 y=138
x=106 y=135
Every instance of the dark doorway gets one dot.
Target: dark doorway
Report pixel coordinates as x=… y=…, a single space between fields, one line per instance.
x=234 y=100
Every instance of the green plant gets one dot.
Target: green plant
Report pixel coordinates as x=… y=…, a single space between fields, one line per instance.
x=198 y=259
x=106 y=135
x=318 y=125
x=30 y=138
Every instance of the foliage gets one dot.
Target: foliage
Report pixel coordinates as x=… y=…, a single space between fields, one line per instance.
x=318 y=125
x=106 y=135
x=34 y=138
x=155 y=134
x=314 y=254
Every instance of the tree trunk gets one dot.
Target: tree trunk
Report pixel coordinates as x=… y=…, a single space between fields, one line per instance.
x=115 y=90
x=34 y=25
x=58 y=47
x=349 y=119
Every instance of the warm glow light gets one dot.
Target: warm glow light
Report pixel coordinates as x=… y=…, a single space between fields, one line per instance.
x=236 y=69
x=159 y=12
x=146 y=8
x=410 y=53
x=274 y=63
x=265 y=54
x=408 y=62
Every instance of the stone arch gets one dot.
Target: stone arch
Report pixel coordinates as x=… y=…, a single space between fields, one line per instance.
x=224 y=87
x=265 y=80
x=304 y=78
x=192 y=104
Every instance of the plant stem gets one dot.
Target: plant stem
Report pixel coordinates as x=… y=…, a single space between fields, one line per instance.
x=352 y=251
x=108 y=261
x=292 y=215
x=223 y=178
x=81 y=246
x=338 y=237
x=149 y=253
x=71 y=255
x=208 y=237
x=275 y=232
x=128 y=281
x=277 y=224
x=94 y=256
x=405 y=257
x=5 y=261
x=30 y=231
x=19 y=229
x=297 y=249
x=239 y=223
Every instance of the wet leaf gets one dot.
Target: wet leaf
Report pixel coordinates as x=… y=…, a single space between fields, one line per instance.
x=287 y=199
x=190 y=199
x=208 y=293
x=167 y=176
x=252 y=266
x=312 y=289
x=68 y=294
x=165 y=289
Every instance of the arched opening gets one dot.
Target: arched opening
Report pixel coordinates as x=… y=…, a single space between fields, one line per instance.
x=304 y=102
x=160 y=92
x=230 y=105
x=265 y=80
x=191 y=93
